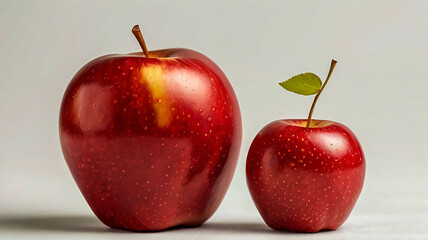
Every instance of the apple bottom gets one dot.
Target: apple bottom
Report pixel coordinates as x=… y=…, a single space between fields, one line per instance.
x=307 y=205
x=156 y=184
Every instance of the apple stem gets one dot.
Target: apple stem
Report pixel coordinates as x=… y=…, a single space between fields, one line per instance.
x=137 y=33
x=333 y=64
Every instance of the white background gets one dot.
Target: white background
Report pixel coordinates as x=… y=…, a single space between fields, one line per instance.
x=378 y=90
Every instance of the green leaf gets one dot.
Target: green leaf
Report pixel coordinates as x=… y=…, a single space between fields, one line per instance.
x=303 y=84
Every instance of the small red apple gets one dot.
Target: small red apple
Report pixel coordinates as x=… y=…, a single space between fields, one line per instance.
x=151 y=139
x=305 y=175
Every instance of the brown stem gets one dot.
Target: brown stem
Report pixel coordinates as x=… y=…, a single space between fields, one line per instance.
x=137 y=33
x=333 y=64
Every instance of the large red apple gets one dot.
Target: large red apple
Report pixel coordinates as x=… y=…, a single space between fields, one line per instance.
x=305 y=175
x=152 y=139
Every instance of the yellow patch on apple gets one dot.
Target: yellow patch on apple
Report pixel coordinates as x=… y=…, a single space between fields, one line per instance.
x=152 y=76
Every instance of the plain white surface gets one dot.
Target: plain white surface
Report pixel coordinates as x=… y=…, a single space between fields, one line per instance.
x=378 y=90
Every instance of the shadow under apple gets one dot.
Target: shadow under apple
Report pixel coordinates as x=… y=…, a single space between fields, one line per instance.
x=90 y=224
x=54 y=223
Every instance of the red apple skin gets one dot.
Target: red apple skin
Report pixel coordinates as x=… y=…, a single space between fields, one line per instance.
x=305 y=179
x=152 y=143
